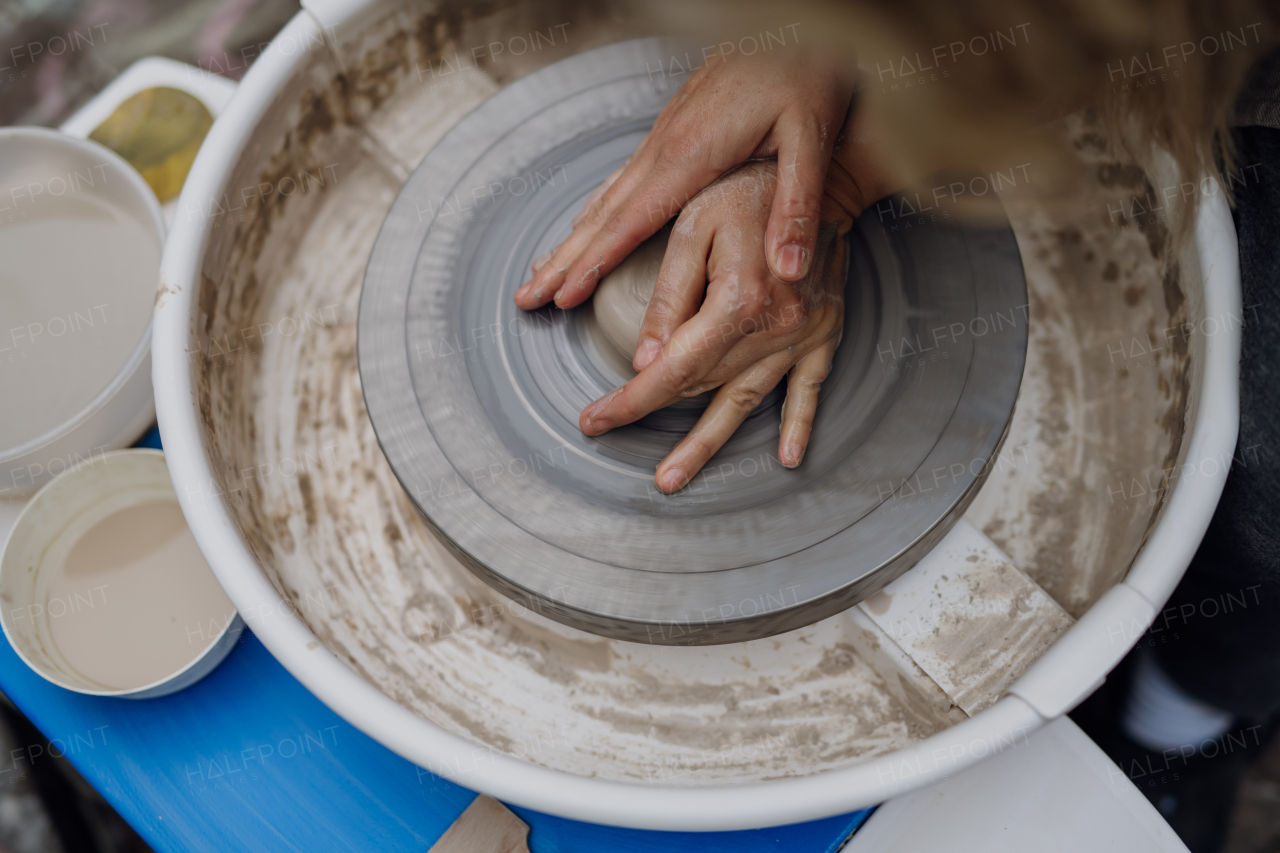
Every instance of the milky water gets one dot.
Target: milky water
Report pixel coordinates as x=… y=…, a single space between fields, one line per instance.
x=77 y=283
x=135 y=601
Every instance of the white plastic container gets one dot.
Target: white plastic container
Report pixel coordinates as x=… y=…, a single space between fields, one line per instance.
x=211 y=446
x=72 y=505
x=124 y=408
x=117 y=410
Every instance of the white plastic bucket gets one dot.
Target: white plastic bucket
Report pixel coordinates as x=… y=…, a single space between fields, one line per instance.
x=1060 y=679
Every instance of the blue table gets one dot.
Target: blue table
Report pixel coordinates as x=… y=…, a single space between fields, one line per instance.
x=249 y=759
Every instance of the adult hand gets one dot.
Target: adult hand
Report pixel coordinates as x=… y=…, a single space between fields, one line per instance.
x=784 y=104
x=749 y=331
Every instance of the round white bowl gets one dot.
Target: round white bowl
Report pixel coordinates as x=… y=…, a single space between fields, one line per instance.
x=56 y=517
x=121 y=411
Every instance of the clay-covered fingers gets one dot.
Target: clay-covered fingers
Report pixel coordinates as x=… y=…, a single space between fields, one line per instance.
x=679 y=289
x=591 y=202
x=785 y=104
x=729 y=408
x=698 y=347
x=661 y=195
x=697 y=138
x=549 y=270
x=630 y=211
x=552 y=270
x=598 y=193
x=805 y=142
x=719 y=234
x=548 y=273
x=801 y=404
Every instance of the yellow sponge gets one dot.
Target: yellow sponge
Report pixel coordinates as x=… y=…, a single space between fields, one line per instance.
x=158 y=131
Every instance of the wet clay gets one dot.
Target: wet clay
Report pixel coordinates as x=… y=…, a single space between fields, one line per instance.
x=300 y=469
x=622 y=297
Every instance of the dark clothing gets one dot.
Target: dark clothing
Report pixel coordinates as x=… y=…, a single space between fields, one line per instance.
x=1226 y=611
x=1259 y=103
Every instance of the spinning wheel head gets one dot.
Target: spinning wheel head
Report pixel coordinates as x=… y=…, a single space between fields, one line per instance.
x=476 y=403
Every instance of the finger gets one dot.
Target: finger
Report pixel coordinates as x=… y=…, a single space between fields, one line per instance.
x=621 y=183
x=595 y=196
x=696 y=348
x=548 y=278
x=599 y=192
x=663 y=194
x=751 y=348
x=549 y=270
x=681 y=284
x=784 y=325
x=804 y=150
x=801 y=404
x=729 y=408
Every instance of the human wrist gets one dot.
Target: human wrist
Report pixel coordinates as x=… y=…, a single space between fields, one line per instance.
x=856 y=178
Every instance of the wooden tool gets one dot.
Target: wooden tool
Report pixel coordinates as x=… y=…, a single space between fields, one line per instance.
x=487 y=826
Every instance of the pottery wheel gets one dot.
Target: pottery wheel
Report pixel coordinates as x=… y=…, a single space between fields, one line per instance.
x=476 y=403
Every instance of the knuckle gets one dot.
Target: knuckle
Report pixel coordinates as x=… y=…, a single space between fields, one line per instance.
x=789 y=319
x=694 y=390
x=808 y=383
x=688 y=213
x=679 y=143
x=744 y=397
x=615 y=227
x=662 y=307
x=799 y=204
x=679 y=374
x=597 y=213
x=700 y=447
x=753 y=301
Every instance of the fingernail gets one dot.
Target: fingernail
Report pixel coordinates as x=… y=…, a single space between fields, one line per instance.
x=673 y=479
x=794 y=454
x=646 y=353
x=595 y=426
x=559 y=293
x=524 y=289
x=793 y=261
x=541 y=261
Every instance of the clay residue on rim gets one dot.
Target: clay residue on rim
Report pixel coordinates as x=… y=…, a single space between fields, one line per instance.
x=975 y=642
x=299 y=467
x=1105 y=391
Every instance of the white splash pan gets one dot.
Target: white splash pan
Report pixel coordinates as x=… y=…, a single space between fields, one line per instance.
x=1112 y=597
